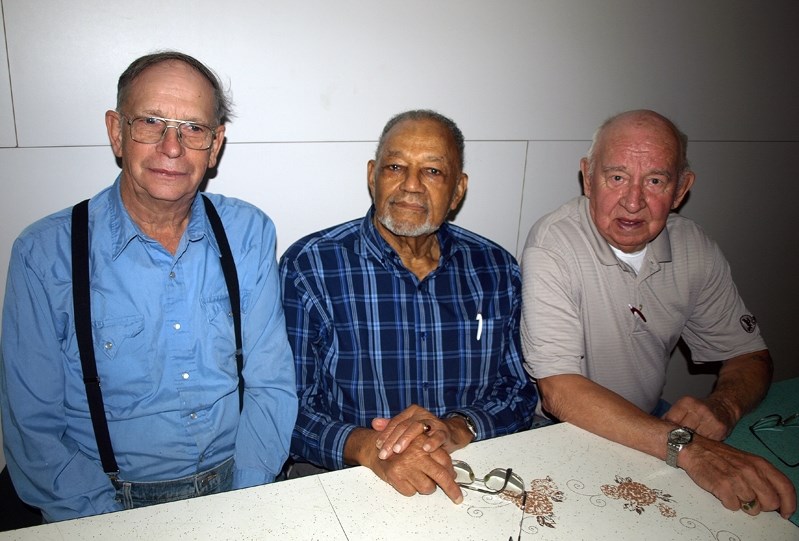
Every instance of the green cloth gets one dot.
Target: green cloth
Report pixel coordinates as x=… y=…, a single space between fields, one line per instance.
x=782 y=398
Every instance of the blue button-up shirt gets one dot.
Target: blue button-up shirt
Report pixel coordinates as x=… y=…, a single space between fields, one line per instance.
x=164 y=344
x=370 y=339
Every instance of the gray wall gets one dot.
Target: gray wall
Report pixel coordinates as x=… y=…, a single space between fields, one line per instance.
x=528 y=81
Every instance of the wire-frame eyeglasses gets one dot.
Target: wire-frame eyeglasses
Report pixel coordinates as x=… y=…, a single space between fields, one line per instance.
x=775 y=423
x=496 y=481
x=152 y=129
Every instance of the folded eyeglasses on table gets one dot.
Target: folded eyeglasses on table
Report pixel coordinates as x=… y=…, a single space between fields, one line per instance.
x=496 y=481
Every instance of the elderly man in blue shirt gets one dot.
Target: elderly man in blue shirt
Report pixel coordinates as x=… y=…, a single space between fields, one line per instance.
x=405 y=329
x=163 y=337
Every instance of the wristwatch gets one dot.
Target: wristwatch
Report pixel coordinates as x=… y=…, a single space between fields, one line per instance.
x=466 y=419
x=678 y=439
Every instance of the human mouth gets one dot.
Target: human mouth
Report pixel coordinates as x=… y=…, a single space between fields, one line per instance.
x=410 y=206
x=169 y=173
x=628 y=224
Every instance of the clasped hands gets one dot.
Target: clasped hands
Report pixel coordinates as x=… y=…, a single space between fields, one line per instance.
x=412 y=452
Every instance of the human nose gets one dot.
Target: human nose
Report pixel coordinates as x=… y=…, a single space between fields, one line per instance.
x=413 y=180
x=170 y=143
x=633 y=199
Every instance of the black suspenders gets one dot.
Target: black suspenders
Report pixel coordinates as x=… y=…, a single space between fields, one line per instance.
x=83 y=327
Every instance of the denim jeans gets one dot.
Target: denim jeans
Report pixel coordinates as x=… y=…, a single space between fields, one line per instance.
x=142 y=494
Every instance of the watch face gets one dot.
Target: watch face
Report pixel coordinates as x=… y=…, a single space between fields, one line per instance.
x=680 y=436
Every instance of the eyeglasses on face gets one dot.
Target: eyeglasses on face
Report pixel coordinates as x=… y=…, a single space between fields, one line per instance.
x=775 y=423
x=496 y=481
x=152 y=129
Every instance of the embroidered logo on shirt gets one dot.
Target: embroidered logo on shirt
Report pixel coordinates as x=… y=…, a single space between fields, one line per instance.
x=748 y=322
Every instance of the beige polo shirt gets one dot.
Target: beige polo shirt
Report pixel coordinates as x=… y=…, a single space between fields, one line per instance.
x=576 y=298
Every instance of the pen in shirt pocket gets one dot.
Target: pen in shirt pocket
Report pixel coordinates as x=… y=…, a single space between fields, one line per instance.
x=479 y=319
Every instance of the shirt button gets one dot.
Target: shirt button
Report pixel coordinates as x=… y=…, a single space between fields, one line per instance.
x=185 y=375
x=193 y=415
x=172 y=274
x=176 y=326
x=108 y=345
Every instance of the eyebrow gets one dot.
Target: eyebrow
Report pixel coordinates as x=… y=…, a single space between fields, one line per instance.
x=662 y=172
x=153 y=112
x=428 y=158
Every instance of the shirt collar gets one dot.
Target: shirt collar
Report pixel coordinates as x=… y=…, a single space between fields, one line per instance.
x=375 y=245
x=658 y=249
x=124 y=229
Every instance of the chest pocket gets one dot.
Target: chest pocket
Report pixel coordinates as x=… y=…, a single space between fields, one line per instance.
x=220 y=329
x=124 y=360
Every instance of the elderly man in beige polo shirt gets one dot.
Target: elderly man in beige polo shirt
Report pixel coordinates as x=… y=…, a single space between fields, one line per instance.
x=611 y=281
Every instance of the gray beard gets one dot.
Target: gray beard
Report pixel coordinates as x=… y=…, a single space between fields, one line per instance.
x=403 y=230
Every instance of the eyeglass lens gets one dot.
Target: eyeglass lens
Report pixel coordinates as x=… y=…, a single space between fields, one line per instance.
x=151 y=130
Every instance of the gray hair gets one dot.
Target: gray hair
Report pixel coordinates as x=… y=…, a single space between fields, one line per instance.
x=223 y=105
x=425 y=114
x=682 y=157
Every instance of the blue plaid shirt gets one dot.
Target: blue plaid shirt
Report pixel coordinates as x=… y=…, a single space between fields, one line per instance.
x=370 y=339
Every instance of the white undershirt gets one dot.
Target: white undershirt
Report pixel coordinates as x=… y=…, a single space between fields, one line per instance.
x=635 y=259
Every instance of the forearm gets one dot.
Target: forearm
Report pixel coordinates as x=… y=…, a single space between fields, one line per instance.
x=360 y=448
x=743 y=383
x=64 y=487
x=581 y=402
x=507 y=410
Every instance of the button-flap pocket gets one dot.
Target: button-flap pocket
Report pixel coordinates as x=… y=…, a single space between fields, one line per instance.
x=110 y=335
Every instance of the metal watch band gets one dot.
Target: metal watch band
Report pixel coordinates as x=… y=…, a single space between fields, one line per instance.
x=468 y=420
x=676 y=442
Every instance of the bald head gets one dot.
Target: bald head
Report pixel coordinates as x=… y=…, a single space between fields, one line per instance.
x=642 y=119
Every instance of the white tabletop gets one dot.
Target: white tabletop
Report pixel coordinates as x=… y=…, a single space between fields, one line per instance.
x=579 y=486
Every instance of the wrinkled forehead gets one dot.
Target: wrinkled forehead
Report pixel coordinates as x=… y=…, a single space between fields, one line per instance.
x=640 y=136
x=175 y=78
x=420 y=136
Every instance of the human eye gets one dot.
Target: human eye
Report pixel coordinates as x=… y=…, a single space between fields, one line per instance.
x=657 y=182
x=615 y=178
x=393 y=167
x=433 y=171
x=192 y=128
x=150 y=121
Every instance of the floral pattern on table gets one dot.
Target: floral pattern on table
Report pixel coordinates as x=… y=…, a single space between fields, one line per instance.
x=540 y=500
x=638 y=496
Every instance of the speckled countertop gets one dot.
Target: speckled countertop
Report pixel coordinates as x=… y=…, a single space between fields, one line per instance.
x=579 y=486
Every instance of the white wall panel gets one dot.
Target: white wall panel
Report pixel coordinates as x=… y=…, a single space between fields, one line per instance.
x=551 y=178
x=7 y=136
x=329 y=71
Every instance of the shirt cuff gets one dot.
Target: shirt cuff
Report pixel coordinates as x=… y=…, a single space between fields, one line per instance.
x=243 y=478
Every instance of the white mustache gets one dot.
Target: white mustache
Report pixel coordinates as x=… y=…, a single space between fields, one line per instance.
x=409 y=200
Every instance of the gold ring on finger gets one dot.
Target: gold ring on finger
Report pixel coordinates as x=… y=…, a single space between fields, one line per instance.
x=748 y=506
